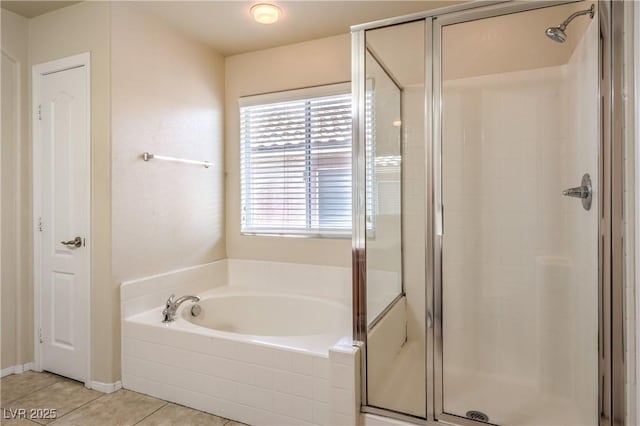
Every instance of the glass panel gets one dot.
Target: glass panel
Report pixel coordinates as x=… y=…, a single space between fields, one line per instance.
x=520 y=260
x=396 y=218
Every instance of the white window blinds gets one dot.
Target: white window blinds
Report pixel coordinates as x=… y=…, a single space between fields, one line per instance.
x=296 y=162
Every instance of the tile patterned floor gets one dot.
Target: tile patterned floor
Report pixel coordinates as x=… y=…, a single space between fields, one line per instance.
x=76 y=405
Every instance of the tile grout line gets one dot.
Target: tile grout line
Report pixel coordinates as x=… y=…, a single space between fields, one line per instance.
x=77 y=408
x=154 y=411
x=165 y=403
x=32 y=392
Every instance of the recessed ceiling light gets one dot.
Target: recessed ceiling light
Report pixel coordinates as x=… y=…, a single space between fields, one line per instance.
x=265 y=13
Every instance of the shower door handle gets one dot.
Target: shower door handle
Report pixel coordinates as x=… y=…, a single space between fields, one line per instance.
x=584 y=192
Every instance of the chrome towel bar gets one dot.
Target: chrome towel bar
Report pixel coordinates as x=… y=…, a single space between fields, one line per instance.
x=146 y=156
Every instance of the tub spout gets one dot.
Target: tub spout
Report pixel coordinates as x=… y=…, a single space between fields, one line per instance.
x=172 y=305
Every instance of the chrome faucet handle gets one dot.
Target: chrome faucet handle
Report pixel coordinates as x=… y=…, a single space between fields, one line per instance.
x=172 y=305
x=169 y=308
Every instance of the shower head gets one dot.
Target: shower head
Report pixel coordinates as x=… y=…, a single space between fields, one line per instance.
x=558 y=33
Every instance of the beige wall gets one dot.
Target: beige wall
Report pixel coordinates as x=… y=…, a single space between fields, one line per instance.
x=17 y=342
x=168 y=99
x=311 y=63
x=85 y=28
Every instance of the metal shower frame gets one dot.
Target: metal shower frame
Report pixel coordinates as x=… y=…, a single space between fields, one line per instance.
x=612 y=368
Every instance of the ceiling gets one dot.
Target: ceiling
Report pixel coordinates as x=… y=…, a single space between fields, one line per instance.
x=227 y=26
x=30 y=9
x=229 y=29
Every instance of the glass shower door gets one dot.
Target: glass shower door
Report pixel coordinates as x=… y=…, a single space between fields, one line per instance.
x=395 y=226
x=519 y=260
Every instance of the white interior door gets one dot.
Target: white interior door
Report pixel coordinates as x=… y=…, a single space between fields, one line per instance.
x=61 y=128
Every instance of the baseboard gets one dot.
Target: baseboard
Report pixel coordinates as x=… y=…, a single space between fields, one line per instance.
x=99 y=386
x=16 y=369
x=7 y=371
x=106 y=387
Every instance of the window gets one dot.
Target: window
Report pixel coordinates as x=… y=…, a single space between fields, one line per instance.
x=296 y=162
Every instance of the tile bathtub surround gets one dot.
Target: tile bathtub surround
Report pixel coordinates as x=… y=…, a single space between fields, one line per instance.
x=247 y=382
x=150 y=292
x=328 y=282
x=76 y=405
x=251 y=382
x=344 y=384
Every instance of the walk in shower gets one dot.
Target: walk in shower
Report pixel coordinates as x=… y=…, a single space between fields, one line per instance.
x=480 y=164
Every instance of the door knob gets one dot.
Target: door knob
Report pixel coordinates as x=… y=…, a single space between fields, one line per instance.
x=76 y=242
x=584 y=191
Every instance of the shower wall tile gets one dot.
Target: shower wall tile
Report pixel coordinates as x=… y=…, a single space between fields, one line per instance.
x=490 y=219
x=519 y=265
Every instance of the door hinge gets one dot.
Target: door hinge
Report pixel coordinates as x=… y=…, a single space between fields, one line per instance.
x=40 y=225
x=39 y=112
x=40 y=335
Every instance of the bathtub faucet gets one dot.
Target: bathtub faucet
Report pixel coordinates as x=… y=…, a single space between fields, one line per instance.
x=172 y=305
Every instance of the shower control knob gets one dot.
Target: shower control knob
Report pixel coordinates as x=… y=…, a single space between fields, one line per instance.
x=578 y=192
x=584 y=192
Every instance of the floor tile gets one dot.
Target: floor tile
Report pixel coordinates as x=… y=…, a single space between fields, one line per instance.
x=172 y=414
x=18 y=385
x=63 y=396
x=120 y=408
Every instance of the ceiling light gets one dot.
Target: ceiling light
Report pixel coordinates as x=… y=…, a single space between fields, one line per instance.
x=265 y=13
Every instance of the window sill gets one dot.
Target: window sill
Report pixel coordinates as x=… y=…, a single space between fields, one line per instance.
x=284 y=234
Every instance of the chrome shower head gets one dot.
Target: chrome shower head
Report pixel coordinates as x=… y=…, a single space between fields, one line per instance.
x=558 y=33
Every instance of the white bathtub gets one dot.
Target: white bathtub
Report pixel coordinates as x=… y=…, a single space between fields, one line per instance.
x=253 y=356
x=270 y=314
